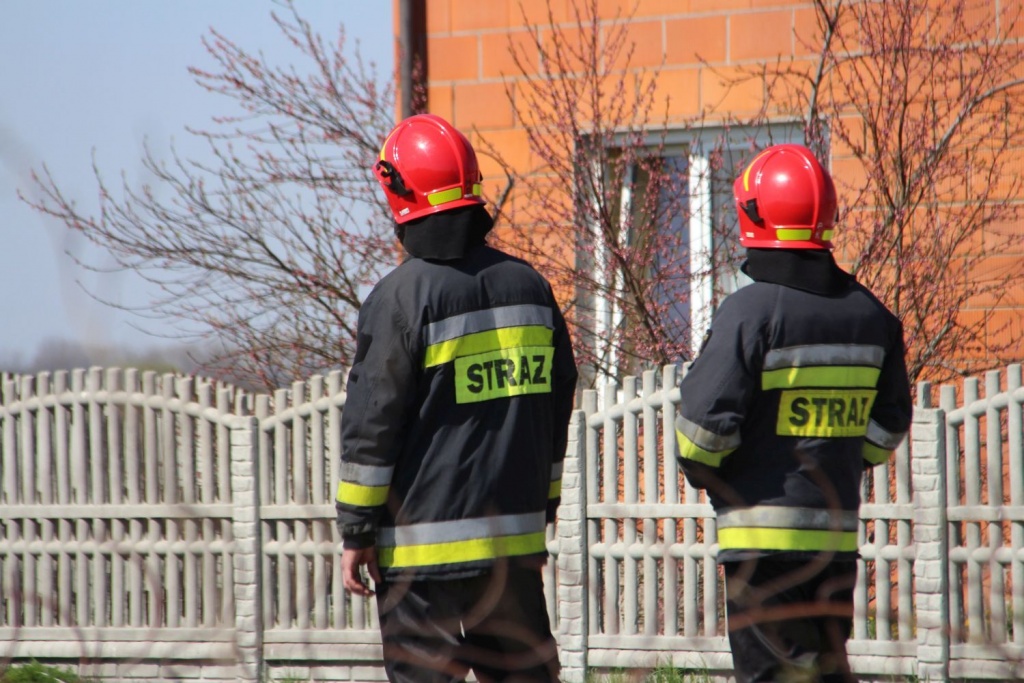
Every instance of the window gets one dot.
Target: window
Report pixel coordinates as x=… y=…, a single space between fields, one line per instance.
x=678 y=193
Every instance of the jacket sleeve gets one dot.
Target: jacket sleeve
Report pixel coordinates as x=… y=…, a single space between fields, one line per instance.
x=380 y=391
x=716 y=393
x=564 y=399
x=892 y=410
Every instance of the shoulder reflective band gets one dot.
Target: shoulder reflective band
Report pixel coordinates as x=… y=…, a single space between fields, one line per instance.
x=826 y=376
x=760 y=538
x=503 y=373
x=486 y=330
x=482 y=342
x=364 y=485
x=784 y=517
x=825 y=354
x=458 y=541
x=822 y=365
x=771 y=527
x=487 y=319
x=824 y=412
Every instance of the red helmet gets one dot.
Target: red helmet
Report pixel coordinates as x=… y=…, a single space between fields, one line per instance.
x=785 y=199
x=427 y=166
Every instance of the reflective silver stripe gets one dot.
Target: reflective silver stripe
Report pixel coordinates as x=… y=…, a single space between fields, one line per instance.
x=366 y=475
x=824 y=354
x=882 y=437
x=707 y=439
x=776 y=517
x=489 y=319
x=461 y=530
x=556 y=471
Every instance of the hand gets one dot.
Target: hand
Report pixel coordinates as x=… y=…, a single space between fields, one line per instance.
x=351 y=577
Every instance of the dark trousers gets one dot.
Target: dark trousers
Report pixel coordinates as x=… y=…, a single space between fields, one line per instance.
x=496 y=624
x=790 y=620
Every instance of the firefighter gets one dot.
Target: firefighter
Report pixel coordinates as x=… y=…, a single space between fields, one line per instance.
x=454 y=429
x=800 y=386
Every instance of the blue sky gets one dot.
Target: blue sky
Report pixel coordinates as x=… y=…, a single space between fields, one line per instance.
x=85 y=79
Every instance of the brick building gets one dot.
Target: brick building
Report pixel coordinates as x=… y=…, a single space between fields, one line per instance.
x=692 y=66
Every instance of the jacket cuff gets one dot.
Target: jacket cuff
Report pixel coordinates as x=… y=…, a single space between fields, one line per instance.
x=366 y=539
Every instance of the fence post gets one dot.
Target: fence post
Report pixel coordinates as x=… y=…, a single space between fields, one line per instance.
x=572 y=555
x=245 y=492
x=931 y=539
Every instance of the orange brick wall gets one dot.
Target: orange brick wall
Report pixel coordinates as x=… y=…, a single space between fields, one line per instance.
x=471 y=76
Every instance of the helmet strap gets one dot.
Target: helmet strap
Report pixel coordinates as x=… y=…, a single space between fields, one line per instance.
x=390 y=177
x=750 y=208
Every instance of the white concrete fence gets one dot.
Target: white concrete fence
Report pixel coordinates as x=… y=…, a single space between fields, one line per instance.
x=164 y=528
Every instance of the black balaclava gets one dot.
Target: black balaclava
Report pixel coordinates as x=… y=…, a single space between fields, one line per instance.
x=447 y=235
x=812 y=270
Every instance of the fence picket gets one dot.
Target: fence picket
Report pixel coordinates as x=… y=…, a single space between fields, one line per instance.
x=45 y=488
x=207 y=491
x=115 y=484
x=630 y=494
x=151 y=444
x=62 y=466
x=335 y=387
x=1015 y=453
x=972 y=494
x=609 y=494
x=996 y=632
x=671 y=496
x=29 y=587
x=651 y=495
x=947 y=402
x=282 y=478
x=223 y=495
x=318 y=467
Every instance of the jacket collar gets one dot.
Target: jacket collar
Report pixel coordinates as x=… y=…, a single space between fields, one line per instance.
x=447 y=235
x=810 y=270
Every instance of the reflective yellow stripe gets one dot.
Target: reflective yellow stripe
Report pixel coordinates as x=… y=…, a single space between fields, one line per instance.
x=793 y=234
x=746 y=173
x=455 y=552
x=875 y=454
x=444 y=196
x=826 y=235
x=820 y=376
x=688 y=450
x=824 y=412
x=482 y=342
x=363 y=496
x=757 y=538
x=555 y=489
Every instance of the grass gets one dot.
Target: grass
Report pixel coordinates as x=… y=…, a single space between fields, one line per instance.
x=34 y=672
x=661 y=674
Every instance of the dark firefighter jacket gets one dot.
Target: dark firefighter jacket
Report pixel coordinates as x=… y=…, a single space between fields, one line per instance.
x=455 y=423
x=801 y=384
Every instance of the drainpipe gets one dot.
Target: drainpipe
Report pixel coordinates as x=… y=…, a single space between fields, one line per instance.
x=412 y=53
